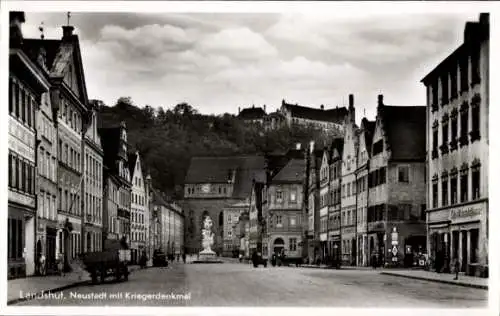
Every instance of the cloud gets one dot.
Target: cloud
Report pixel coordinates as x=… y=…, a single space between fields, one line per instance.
x=238 y=43
x=219 y=62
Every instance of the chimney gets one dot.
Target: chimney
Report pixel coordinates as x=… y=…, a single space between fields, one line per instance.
x=311 y=146
x=264 y=108
x=298 y=146
x=484 y=18
x=380 y=100
x=16 y=35
x=239 y=110
x=352 y=112
x=67 y=32
x=322 y=107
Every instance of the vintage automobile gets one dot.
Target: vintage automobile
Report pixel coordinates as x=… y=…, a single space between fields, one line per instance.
x=112 y=261
x=159 y=259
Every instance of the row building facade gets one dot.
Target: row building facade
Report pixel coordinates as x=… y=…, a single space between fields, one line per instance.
x=458 y=153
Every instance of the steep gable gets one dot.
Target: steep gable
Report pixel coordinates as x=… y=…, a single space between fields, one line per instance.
x=62 y=59
x=350 y=148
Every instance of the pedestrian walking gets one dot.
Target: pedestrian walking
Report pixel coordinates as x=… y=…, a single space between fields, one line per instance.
x=456 y=267
x=184 y=257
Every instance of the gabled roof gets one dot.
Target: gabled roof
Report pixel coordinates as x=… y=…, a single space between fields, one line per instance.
x=368 y=130
x=132 y=159
x=338 y=144
x=293 y=172
x=405 y=130
x=252 y=113
x=336 y=115
x=221 y=170
x=59 y=53
x=474 y=32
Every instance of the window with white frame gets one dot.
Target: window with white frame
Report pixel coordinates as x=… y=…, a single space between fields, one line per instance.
x=279 y=221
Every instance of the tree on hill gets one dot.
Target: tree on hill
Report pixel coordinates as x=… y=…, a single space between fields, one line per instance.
x=168 y=138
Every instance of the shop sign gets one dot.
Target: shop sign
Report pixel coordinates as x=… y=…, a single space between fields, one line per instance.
x=465 y=212
x=379 y=226
x=349 y=230
x=439 y=216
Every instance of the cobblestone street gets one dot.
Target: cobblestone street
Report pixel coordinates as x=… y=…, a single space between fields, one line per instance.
x=232 y=284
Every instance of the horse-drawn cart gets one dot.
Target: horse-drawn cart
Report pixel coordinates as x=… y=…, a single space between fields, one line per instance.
x=112 y=261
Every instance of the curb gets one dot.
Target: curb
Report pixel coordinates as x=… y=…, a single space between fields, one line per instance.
x=57 y=289
x=476 y=286
x=54 y=290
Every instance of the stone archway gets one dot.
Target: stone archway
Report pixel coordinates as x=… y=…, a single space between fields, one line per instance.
x=278 y=245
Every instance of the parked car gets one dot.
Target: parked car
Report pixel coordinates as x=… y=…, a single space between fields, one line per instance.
x=159 y=259
x=258 y=260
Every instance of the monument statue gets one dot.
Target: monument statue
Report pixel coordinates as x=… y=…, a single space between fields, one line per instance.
x=207 y=255
x=207 y=235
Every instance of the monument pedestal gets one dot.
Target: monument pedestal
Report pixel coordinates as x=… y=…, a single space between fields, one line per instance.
x=208 y=256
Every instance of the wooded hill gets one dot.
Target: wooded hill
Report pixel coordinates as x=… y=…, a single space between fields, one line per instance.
x=167 y=138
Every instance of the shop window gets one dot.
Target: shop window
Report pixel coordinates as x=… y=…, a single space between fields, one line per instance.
x=474 y=245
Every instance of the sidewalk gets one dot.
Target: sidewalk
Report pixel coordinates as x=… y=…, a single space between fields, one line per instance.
x=53 y=283
x=468 y=281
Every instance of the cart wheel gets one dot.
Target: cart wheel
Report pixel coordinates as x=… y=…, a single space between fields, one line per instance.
x=93 y=275
x=102 y=274
x=118 y=274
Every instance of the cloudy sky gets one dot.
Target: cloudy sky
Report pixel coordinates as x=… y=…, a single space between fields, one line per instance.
x=221 y=61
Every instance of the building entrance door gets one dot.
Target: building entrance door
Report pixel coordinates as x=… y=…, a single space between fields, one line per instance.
x=465 y=255
x=50 y=253
x=279 y=246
